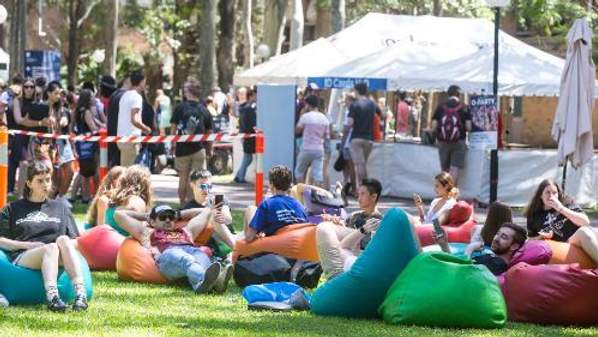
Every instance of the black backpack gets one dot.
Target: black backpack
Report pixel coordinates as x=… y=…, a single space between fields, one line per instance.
x=270 y=267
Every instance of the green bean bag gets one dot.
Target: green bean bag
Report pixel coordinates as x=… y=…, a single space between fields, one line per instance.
x=25 y=286
x=360 y=291
x=438 y=289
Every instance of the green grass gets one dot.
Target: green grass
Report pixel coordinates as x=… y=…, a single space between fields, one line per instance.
x=131 y=309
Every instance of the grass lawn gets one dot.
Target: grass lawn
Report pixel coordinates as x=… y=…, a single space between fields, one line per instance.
x=132 y=309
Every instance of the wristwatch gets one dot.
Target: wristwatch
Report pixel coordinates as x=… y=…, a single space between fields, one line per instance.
x=362 y=230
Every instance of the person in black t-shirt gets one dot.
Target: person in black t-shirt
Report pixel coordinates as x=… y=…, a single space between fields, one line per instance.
x=190 y=118
x=112 y=119
x=506 y=242
x=37 y=232
x=552 y=215
x=247 y=124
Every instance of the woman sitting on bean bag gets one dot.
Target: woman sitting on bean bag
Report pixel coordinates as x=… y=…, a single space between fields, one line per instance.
x=552 y=215
x=482 y=235
x=37 y=232
x=101 y=201
x=133 y=191
x=446 y=198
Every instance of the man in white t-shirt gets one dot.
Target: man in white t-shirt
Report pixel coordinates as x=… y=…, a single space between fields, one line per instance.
x=315 y=127
x=129 y=119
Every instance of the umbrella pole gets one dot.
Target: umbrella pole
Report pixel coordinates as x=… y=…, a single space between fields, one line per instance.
x=564 y=176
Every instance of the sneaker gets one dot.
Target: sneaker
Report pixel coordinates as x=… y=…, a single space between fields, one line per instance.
x=80 y=303
x=239 y=181
x=56 y=304
x=3 y=301
x=222 y=282
x=209 y=279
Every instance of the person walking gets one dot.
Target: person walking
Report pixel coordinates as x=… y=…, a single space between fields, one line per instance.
x=247 y=124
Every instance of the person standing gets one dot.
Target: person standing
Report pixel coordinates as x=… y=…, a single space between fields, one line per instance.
x=129 y=118
x=315 y=128
x=190 y=118
x=163 y=107
x=452 y=121
x=247 y=124
x=15 y=142
x=402 y=117
x=361 y=119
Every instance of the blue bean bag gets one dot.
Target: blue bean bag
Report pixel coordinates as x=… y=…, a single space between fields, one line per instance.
x=457 y=249
x=360 y=291
x=25 y=286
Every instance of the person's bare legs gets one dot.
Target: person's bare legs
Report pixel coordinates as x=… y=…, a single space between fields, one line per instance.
x=183 y=183
x=70 y=259
x=44 y=258
x=66 y=173
x=224 y=234
x=585 y=237
x=454 y=172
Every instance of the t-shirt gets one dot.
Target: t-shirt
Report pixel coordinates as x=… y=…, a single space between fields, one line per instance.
x=247 y=123
x=362 y=111
x=316 y=128
x=24 y=220
x=113 y=108
x=276 y=212
x=433 y=215
x=402 y=119
x=164 y=239
x=192 y=204
x=551 y=220
x=130 y=100
x=464 y=112
x=191 y=118
x=495 y=264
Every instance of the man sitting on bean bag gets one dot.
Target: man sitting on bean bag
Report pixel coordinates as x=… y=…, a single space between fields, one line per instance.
x=277 y=211
x=506 y=242
x=173 y=246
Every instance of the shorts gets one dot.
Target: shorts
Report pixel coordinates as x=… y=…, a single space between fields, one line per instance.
x=191 y=162
x=65 y=152
x=452 y=154
x=313 y=159
x=360 y=150
x=87 y=167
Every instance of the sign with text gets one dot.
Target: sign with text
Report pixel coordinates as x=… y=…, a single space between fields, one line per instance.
x=484 y=118
x=347 y=82
x=42 y=63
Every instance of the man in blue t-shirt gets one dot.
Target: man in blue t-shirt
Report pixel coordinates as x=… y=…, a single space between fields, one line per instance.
x=277 y=211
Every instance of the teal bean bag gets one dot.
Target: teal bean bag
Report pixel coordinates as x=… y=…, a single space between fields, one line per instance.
x=457 y=249
x=360 y=291
x=25 y=286
x=438 y=289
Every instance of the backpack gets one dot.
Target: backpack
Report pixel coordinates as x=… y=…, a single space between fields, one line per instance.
x=450 y=125
x=270 y=267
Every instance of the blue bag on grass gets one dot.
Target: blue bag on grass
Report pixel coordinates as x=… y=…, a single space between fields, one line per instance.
x=279 y=296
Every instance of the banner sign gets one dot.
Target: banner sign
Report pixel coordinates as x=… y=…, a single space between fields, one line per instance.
x=484 y=117
x=42 y=63
x=347 y=82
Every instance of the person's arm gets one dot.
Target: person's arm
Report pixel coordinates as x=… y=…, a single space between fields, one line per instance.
x=133 y=222
x=89 y=120
x=199 y=222
x=18 y=116
x=188 y=214
x=136 y=121
x=578 y=218
x=250 y=234
x=476 y=242
x=351 y=241
x=101 y=207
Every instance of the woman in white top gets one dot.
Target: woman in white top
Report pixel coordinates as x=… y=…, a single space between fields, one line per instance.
x=446 y=198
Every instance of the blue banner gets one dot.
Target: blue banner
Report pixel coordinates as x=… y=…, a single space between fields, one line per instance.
x=348 y=82
x=42 y=63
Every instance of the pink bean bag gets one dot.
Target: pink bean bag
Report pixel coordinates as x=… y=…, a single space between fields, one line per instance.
x=551 y=294
x=99 y=246
x=533 y=252
x=459 y=227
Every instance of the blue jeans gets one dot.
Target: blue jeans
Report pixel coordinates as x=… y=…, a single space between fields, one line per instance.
x=184 y=261
x=247 y=159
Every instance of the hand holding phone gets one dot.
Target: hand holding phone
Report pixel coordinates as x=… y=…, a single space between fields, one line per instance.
x=417 y=199
x=218 y=200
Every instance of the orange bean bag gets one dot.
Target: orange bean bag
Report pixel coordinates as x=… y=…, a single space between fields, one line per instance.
x=294 y=241
x=459 y=227
x=135 y=263
x=99 y=246
x=566 y=253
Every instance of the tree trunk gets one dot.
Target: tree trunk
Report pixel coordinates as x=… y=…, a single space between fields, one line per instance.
x=437 y=8
x=274 y=22
x=297 y=23
x=207 y=55
x=111 y=41
x=249 y=47
x=226 y=44
x=18 y=36
x=73 y=40
x=338 y=14
x=323 y=20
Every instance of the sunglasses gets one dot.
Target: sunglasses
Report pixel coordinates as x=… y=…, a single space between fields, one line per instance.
x=28 y=87
x=205 y=187
x=166 y=217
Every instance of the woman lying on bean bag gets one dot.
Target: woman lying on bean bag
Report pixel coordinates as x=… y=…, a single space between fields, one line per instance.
x=553 y=216
x=37 y=232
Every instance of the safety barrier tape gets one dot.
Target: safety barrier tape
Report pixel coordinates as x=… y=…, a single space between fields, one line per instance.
x=206 y=137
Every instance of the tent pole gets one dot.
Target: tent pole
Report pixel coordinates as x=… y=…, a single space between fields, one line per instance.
x=563 y=182
x=494 y=152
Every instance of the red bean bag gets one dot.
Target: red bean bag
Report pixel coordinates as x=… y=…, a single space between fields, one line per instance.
x=99 y=246
x=551 y=294
x=565 y=253
x=459 y=227
x=293 y=241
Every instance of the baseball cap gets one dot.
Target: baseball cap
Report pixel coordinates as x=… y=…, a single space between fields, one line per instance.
x=159 y=209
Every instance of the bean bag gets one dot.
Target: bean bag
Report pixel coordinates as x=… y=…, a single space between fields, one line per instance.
x=99 y=246
x=294 y=241
x=26 y=286
x=552 y=294
x=459 y=227
x=438 y=289
x=457 y=249
x=360 y=291
x=533 y=252
x=565 y=253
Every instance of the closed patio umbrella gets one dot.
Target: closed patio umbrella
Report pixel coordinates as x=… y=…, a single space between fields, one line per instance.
x=572 y=126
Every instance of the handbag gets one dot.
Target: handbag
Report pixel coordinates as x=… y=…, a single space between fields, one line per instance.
x=144 y=156
x=340 y=162
x=270 y=267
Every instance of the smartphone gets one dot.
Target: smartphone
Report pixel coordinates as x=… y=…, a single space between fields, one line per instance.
x=437 y=229
x=218 y=199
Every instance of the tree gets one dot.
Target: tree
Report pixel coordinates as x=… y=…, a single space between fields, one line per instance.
x=274 y=23
x=226 y=44
x=297 y=25
x=18 y=35
x=110 y=35
x=338 y=15
x=78 y=12
x=207 y=55
x=248 y=34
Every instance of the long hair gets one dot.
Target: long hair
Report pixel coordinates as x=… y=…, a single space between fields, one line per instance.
x=536 y=204
x=498 y=215
x=136 y=180
x=104 y=190
x=445 y=179
x=83 y=104
x=34 y=169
